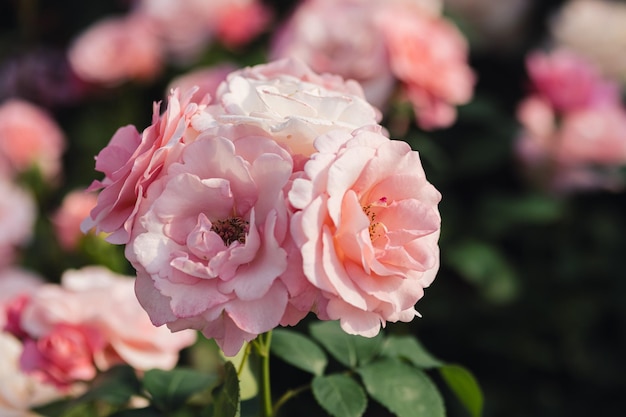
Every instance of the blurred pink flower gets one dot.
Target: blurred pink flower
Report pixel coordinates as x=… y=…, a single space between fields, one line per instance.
x=115 y=327
x=429 y=56
x=17 y=219
x=368 y=241
x=594 y=29
x=131 y=162
x=19 y=391
x=29 y=137
x=381 y=44
x=338 y=37
x=74 y=208
x=576 y=150
x=15 y=283
x=239 y=21
x=209 y=249
x=117 y=49
x=569 y=81
x=292 y=103
x=64 y=355
x=207 y=80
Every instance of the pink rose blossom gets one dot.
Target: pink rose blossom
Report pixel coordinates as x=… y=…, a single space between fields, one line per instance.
x=17 y=218
x=429 y=56
x=117 y=319
x=338 y=37
x=64 y=355
x=292 y=103
x=19 y=391
x=206 y=79
x=583 y=151
x=569 y=81
x=16 y=286
x=209 y=249
x=131 y=162
x=117 y=49
x=29 y=137
x=238 y=21
x=75 y=207
x=367 y=228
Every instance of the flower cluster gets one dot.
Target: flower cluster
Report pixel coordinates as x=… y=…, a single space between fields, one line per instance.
x=280 y=196
x=70 y=331
x=574 y=124
x=392 y=42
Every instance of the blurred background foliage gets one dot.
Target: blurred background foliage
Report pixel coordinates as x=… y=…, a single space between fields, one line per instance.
x=530 y=293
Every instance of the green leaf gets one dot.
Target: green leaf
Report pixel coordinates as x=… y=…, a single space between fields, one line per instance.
x=227 y=394
x=339 y=395
x=299 y=351
x=171 y=389
x=409 y=348
x=248 y=385
x=114 y=386
x=485 y=266
x=350 y=350
x=403 y=389
x=465 y=387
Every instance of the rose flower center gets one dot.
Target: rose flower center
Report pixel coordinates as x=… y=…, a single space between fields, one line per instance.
x=232 y=229
x=370 y=211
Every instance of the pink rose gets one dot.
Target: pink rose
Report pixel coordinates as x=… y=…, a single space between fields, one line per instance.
x=237 y=22
x=19 y=391
x=16 y=286
x=118 y=318
x=29 y=137
x=117 y=49
x=209 y=249
x=292 y=103
x=75 y=207
x=338 y=37
x=131 y=162
x=367 y=228
x=17 y=219
x=429 y=56
x=64 y=355
x=569 y=82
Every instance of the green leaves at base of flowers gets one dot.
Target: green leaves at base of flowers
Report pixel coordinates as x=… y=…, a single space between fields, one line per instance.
x=170 y=390
x=465 y=387
x=226 y=396
x=404 y=390
x=299 y=351
x=339 y=395
x=349 y=350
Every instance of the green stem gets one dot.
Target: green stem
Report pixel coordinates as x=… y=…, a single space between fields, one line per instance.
x=289 y=395
x=266 y=391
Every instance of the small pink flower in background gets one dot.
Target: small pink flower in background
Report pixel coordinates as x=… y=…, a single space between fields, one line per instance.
x=131 y=162
x=208 y=250
x=16 y=285
x=338 y=37
x=206 y=79
x=569 y=81
x=117 y=319
x=75 y=207
x=367 y=228
x=117 y=49
x=19 y=391
x=594 y=29
x=29 y=137
x=17 y=218
x=382 y=44
x=429 y=56
x=64 y=355
x=239 y=21
x=574 y=125
x=292 y=103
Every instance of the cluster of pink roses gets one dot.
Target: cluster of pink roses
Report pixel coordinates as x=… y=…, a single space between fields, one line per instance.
x=280 y=196
x=60 y=335
x=138 y=45
x=574 y=124
x=382 y=44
